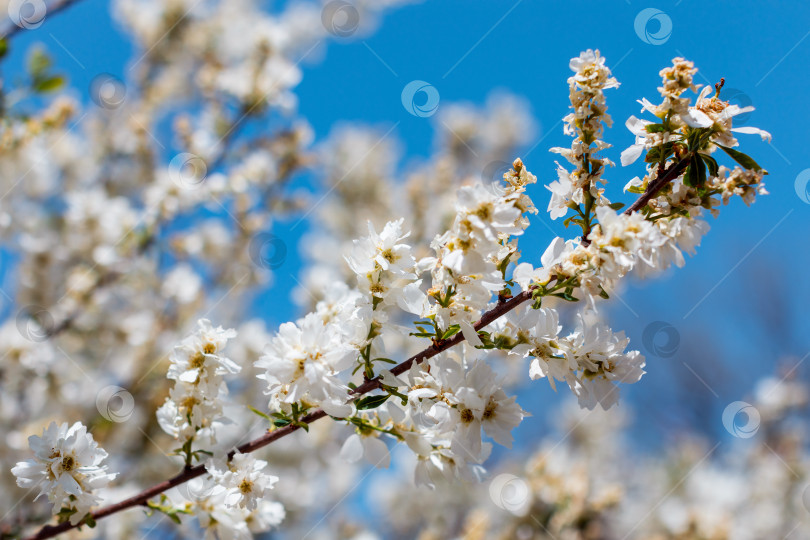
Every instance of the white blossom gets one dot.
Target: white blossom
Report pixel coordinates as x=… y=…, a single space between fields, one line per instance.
x=591 y=77
x=243 y=478
x=198 y=365
x=66 y=468
x=302 y=363
x=602 y=362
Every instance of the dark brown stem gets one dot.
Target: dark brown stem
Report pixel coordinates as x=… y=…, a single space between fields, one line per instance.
x=673 y=172
x=500 y=309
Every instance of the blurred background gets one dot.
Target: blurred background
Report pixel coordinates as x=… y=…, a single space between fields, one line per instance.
x=734 y=315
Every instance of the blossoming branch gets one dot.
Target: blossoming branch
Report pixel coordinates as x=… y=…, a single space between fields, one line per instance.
x=469 y=303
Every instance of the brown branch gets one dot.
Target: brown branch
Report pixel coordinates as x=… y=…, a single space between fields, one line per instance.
x=673 y=172
x=501 y=308
x=666 y=176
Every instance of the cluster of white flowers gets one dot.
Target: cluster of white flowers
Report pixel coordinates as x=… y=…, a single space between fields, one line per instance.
x=386 y=273
x=679 y=112
x=590 y=360
x=451 y=399
x=744 y=183
x=384 y=265
x=242 y=479
x=586 y=124
x=100 y=224
x=450 y=404
x=676 y=119
x=624 y=242
x=66 y=468
x=230 y=501
x=682 y=199
x=618 y=244
x=367 y=440
x=470 y=260
x=198 y=367
x=302 y=363
x=229 y=505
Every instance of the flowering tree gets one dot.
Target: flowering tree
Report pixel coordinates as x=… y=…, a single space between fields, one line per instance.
x=423 y=315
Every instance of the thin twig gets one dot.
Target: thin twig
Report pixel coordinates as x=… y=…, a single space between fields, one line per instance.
x=658 y=184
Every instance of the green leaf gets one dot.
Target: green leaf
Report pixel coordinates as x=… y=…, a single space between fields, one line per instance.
x=65 y=513
x=658 y=154
x=38 y=63
x=165 y=507
x=281 y=422
x=452 y=331
x=701 y=170
x=48 y=84
x=691 y=178
x=3 y=47
x=743 y=159
x=711 y=163
x=566 y=296
x=260 y=413
x=372 y=402
x=616 y=205
x=655 y=128
x=386 y=360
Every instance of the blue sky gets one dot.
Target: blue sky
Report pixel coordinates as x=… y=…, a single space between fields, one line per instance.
x=743 y=296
